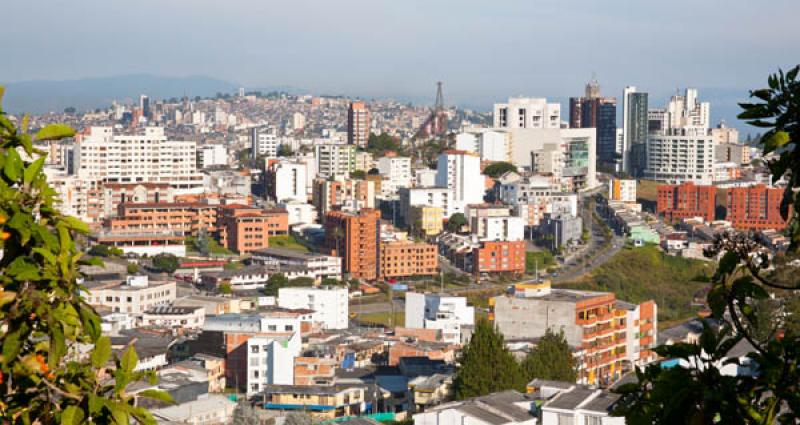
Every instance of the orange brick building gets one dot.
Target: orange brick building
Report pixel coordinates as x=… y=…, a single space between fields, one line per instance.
x=314 y=371
x=755 y=208
x=499 y=257
x=183 y=218
x=244 y=229
x=687 y=200
x=354 y=237
x=405 y=258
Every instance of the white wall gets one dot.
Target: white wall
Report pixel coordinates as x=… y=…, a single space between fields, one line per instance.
x=330 y=304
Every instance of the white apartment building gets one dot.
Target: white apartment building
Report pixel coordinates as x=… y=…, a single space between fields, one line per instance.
x=335 y=159
x=680 y=155
x=134 y=296
x=289 y=180
x=681 y=111
x=257 y=323
x=439 y=197
x=424 y=177
x=438 y=311
x=212 y=155
x=527 y=112
x=508 y=228
x=270 y=361
x=460 y=172
x=264 y=142
x=397 y=171
x=149 y=157
x=174 y=317
x=330 y=304
x=569 y=155
x=299 y=212
x=490 y=145
x=319 y=266
x=623 y=190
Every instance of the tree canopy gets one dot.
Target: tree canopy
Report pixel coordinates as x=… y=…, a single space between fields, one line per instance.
x=166 y=263
x=379 y=144
x=498 y=169
x=456 y=222
x=551 y=359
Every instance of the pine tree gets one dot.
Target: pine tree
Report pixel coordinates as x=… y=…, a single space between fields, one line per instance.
x=551 y=359
x=486 y=365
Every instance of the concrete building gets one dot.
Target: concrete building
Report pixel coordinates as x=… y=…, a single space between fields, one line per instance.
x=568 y=155
x=330 y=304
x=755 y=208
x=681 y=111
x=214 y=409
x=724 y=135
x=322 y=402
x=428 y=220
x=460 y=172
x=730 y=152
x=286 y=181
x=401 y=259
x=211 y=156
x=561 y=231
x=319 y=265
x=264 y=142
x=244 y=229
x=594 y=111
x=355 y=237
x=335 y=160
x=438 y=311
x=622 y=190
x=270 y=361
x=499 y=257
x=525 y=112
x=149 y=157
x=397 y=170
x=431 y=197
x=174 y=317
x=358 y=124
x=343 y=194
x=146 y=243
x=634 y=130
x=581 y=405
x=687 y=200
x=679 y=155
x=133 y=296
x=299 y=212
x=502 y=408
x=490 y=145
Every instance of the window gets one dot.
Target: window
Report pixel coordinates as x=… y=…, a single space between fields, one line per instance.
x=254 y=349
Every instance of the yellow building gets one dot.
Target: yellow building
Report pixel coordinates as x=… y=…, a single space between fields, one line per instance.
x=323 y=402
x=428 y=219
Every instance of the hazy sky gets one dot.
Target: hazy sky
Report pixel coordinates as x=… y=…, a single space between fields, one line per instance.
x=484 y=50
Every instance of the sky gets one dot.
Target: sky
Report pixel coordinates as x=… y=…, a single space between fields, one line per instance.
x=483 y=50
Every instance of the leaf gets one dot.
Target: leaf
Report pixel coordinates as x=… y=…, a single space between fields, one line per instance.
x=72 y=415
x=76 y=224
x=156 y=395
x=91 y=322
x=21 y=222
x=21 y=269
x=102 y=352
x=775 y=140
x=55 y=132
x=33 y=170
x=129 y=360
x=14 y=165
x=7 y=297
x=728 y=263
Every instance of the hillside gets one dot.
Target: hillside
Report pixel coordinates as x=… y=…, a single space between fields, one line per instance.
x=646 y=273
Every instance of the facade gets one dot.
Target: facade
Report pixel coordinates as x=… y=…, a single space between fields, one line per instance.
x=330 y=304
x=319 y=265
x=343 y=194
x=397 y=171
x=174 y=317
x=567 y=155
x=211 y=156
x=593 y=111
x=677 y=202
x=581 y=405
x=244 y=229
x=399 y=259
x=428 y=220
x=622 y=190
x=264 y=142
x=355 y=237
x=146 y=243
x=335 y=160
x=680 y=112
x=730 y=152
x=438 y=311
x=358 y=124
x=149 y=157
x=134 y=296
x=270 y=361
x=184 y=218
x=286 y=181
x=524 y=112
x=314 y=371
x=431 y=197
x=299 y=212
x=490 y=145
x=592 y=324
x=499 y=257
x=322 y=402
x=680 y=155
x=634 y=130
x=561 y=230
x=755 y=208
x=460 y=172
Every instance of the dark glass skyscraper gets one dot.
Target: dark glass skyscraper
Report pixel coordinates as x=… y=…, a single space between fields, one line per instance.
x=594 y=111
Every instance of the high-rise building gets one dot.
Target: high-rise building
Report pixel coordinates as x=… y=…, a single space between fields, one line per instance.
x=286 y=181
x=358 y=124
x=491 y=145
x=397 y=170
x=679 y=155
x=144 y=105
x=460 y=172
x=355 y=238
x=212 y=155
x=687 y=200
x=527 y=112
x=402 y=259
x=264 y=142
x=681 y=111
x=593 y=111
x=335 y=160
x=329 y=304
x=622 y=190
x=755 y=208
x=634 y=127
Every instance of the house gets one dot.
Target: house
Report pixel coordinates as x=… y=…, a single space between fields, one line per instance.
x=214 y=409
x=502 y=408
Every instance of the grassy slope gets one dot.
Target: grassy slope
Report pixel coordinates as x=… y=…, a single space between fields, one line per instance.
x=286 y=242
x=645 y=273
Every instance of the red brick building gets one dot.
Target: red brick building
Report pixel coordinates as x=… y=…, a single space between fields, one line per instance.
x=755 y=208
x=499 y=257
x=688 y=200
x=355 y=238
x=244 y=229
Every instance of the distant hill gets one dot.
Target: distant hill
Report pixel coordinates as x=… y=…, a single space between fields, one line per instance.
x=90 y=93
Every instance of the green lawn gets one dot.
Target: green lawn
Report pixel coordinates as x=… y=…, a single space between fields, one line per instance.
x=287 y=242
x=545 y=259
x=640 y=274
x=213 y=246
x=383 y=318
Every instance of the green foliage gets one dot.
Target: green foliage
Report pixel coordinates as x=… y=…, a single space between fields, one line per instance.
x=225 y=288
x=456 y=222
x=379 y=144
x=287 y=242
x=551 y=359
x=41 y=307
x=105 y=251
x=301 y=282
x=274 y=283
x=166 y=263
x=285 y=150
x=358 y=175
x=544 y=259
x=486 y=365
x=329 y=281
x=646 y=273
x=498 y=169
x=233 y=265
x=132 y=268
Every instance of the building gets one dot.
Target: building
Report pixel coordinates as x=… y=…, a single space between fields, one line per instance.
x=579 y=405
x=622 y=190
x=460 y=172
x=525 y=112
x=680 y=112
x=397 y=171
x=358 y=123
x=567 y=155
x=679 y=155
x=355 y=237
x=174 y=317
x=335 y=160
x=634 y=130
x=244 y=229
x=322 y=402
x=495 y=223
x=134 y=296
x=214 y=409
x=755 y=208
x=490 y=145
x=264 y=142
x=593 y=326
x=439 y=311
x=183 y=218
x=314 y=371
x=561 y=230
x=286 y=181
x=146 y=243
x=319 y=265
x=730 y=152
x=299 y=212
x=502 y=408
x=724 y=135
x=429 y=197
x=270 y=361
x=343 y=194
x=364 y=161
x=677 y=202
x=594 y=111
x=400 y=259
x=499 y=257
x=427 y=220
x=137 y=158
x=212 y=156
x=330 y=304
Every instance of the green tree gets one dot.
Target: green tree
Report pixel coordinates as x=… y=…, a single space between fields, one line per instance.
x=701 y=393
x=201 y=243
x=301 y=281
x=551 y=359
x=133 y=268
x=245 y=414
x=456 y=222
x=42 y=312
x=358 y=175
x=274 y=283
x=225 y=288
x=498 y=169
x=486 y=365
x=379 y=144
x=285 y=150
x=329 y=281
x=166 y=263
x=99 y=251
